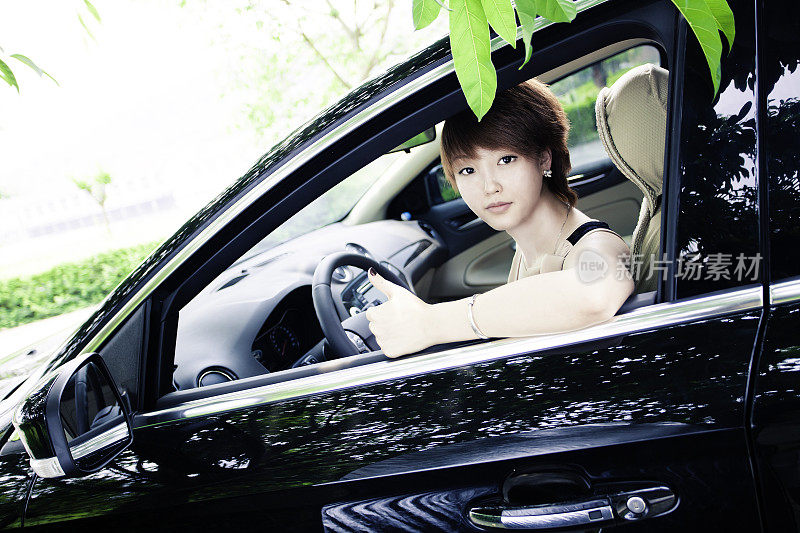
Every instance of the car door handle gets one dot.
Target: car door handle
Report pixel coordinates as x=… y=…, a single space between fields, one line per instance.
x=594 y=511
x=471 y=224
x=464 y=222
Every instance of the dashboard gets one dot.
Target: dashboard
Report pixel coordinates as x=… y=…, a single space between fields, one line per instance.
x=257 y=317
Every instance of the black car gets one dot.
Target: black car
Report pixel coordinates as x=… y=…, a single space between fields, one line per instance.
x=230 y=381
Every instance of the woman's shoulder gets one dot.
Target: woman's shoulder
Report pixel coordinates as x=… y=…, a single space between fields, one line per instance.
x=584 y=225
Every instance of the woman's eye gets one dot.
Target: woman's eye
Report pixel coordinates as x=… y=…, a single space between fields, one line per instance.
x=506 y=159
x=466 y=170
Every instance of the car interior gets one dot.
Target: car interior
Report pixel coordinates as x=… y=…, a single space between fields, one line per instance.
x=294 y=304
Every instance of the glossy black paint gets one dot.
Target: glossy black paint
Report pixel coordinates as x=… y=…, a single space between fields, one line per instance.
x=776 y=419
x=686 y=461
x=682 y=381
x=15 y=482
x=780 y=86
x=30 y=419
x=719 y=181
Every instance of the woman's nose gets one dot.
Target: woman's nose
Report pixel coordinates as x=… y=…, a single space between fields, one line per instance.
x=490 y=184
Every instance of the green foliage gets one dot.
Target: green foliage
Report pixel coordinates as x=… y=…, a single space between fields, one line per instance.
x=500 y=15
x=92 y=10
x=557 y=10
x=424 y=12
x=66 y=287
x=579 y=108
x=7 y=75
x=724 y=17
x=470 y=45
x=469 y=42
x=95 y=188
x=526 y=9
x=704 y=26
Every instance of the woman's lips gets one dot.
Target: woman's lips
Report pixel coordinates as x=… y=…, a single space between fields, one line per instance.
x=499 y=207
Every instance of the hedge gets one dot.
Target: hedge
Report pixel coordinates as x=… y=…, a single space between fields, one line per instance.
x=67 y=287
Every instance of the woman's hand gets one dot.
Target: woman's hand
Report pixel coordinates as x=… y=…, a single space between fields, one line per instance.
x=401 y=325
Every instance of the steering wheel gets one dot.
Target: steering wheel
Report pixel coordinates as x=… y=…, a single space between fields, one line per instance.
x=333 y=328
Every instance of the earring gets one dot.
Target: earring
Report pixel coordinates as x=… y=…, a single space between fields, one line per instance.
x=547 y=173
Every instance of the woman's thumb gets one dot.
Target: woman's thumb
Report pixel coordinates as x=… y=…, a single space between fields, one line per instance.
x=386 y=287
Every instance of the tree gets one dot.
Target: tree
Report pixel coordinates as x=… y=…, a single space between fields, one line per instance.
x=97 y=190
x=292 y=58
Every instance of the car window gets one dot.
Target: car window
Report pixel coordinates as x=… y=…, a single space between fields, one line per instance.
x=260 y=317
x=577 y=92
x=330 y=207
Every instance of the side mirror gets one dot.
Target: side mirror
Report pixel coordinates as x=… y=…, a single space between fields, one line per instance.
x=422 y=138
x=75 y=421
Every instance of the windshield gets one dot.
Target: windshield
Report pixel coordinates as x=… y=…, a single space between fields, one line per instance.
x=330 y=207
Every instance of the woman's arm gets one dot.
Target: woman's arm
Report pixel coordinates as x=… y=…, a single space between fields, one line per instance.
x=592 y=287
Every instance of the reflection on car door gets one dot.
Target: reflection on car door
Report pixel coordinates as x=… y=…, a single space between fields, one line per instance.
x=660 y=407
x=776 y=398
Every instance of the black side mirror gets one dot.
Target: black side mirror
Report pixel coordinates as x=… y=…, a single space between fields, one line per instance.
x=425 y=137
x=75 y=421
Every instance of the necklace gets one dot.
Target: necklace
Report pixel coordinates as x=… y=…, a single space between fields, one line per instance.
x=569 y=208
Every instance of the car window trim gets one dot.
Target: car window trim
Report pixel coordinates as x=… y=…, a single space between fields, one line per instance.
x=644 y=319
x=784 y=291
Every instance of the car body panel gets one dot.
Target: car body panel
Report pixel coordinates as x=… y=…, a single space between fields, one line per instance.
x=642 y=386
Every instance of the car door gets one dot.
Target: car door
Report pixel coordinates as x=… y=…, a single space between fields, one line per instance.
x=644 y=410
x=775 y=416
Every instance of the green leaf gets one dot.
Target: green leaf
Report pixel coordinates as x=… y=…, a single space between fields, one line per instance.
x=557 y=10
x=724 y=17
x=469 y=43
x=500 y=14
x=85 y=27
x=92 y=10
x=8 y=75
x=23 y=59
x=34 y=66
x=526 y=10
x=424 y=12
x=704 y=26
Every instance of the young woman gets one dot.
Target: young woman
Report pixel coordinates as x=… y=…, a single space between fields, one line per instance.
x=511 y=169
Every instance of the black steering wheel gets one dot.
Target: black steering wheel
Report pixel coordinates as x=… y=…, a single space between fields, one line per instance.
x=333 y=328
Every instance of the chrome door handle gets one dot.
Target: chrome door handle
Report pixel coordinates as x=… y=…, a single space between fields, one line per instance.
x=595 y=511
x=599 y=510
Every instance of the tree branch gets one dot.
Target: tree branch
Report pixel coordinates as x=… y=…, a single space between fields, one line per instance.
x=316 y=50
x=353 y=34
x=376 y=56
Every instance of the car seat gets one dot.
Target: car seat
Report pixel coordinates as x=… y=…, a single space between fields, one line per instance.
x=632 y=124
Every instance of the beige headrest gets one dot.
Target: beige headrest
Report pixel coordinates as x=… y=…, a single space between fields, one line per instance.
x=632 y=123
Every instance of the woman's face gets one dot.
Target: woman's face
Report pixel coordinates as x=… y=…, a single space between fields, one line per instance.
x=501 y=186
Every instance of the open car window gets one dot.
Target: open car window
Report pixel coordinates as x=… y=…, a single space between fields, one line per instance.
x=259 y=317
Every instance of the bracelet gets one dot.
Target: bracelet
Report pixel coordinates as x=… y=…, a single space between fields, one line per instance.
x=472 y=323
